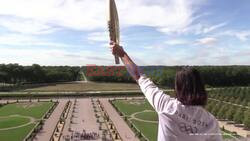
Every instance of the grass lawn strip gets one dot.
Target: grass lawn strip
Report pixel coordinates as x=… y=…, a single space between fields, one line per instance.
x=18 y=119
x=80 y=87
x=16 y=122
x=145 y=116
x=31 y=109
x=148 y=129
x=129 y=107
x=17 y=134
x=134 y=108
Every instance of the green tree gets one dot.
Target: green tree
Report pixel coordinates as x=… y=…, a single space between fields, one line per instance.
x=244 y=102
x=222 y=112
x=238 y=100
x=239 y=116
x=216 y=109
x=230 y=113
x=221 y=98
x=247 y=119
x=232 y=99
x=209 y=107
x=227 y=98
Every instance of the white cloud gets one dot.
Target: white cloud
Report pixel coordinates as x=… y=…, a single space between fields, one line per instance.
x=221 y=55
x=53 y=57
x=176 y=42
x=206 y=55
x=84 y=15
x=242 y=35
x=214 y=27
x=200 y=28
x=206 y=41
x=25 y=26
x=27 y=40
x=154 y=47
x=98 y=37
x=33 y=17
x=166 y=16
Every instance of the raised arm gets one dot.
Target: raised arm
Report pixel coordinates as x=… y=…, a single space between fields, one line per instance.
x=154 y=95
x=129 y=64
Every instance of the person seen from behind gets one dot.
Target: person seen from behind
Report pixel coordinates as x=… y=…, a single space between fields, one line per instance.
x=182 y=118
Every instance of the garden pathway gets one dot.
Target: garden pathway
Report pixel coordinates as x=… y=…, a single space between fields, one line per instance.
x=231 y=127
x=50 y=124
x=123 y=129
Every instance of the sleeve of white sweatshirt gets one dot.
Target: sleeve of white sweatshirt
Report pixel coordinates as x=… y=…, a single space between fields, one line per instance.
x=154 y=95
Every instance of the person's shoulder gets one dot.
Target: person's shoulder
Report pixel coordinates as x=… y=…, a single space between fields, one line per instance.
x=209 y=115
x=171 y=106
x=210 y=118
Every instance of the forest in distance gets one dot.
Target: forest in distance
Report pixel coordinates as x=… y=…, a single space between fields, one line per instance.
x=213 y=76
x=18 y=74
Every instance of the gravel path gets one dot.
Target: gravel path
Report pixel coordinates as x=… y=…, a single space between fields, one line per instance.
x=123 y=129
x=83 y=118
x=230 y=127
x=50 y=124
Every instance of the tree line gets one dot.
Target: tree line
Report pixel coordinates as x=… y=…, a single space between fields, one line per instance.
x=235 y=113
x=232 y=104
x=18 y=74
x=213 y=76
x=235 y=95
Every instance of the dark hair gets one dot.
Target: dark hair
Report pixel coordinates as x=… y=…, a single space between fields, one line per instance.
x=189 y=87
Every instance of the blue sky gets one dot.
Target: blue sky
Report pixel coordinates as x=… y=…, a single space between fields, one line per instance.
x=153 y=32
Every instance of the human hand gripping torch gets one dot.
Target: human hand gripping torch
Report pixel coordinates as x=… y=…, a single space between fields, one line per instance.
x=113 y=25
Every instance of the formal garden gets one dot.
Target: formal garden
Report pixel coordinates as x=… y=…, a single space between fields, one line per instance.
x=142 y=119
x=22 y=120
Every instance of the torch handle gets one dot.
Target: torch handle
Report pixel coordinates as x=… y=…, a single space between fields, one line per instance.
x=117 y=61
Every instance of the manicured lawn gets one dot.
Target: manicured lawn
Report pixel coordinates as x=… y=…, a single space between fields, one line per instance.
x=151 y=116
x=17 y=134
x=80 y=87
x=229 y=135
x=33 y=109
x=225 y=136
x=148 y=129
x=12 y=121
x=15 y=111
x=128 y=107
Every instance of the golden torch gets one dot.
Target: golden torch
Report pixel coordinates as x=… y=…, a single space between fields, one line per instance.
x=113 y=25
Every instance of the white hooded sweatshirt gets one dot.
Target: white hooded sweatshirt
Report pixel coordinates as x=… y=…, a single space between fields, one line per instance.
x=178 y=122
